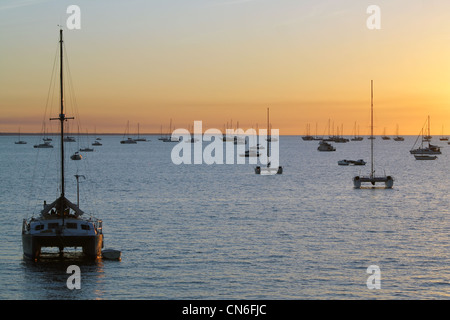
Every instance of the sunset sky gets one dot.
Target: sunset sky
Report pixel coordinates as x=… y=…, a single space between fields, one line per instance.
x=309 y=61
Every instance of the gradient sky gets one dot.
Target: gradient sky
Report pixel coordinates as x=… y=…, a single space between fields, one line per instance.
x=149 y=61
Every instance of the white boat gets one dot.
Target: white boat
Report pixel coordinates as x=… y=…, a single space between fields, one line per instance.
x=268 y=170
x=61 y=223
x=325 y=146
x=372 y=178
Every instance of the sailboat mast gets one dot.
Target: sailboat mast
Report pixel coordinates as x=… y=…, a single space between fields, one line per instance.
x=61 y=115
x=371 y=127
x=269 y=137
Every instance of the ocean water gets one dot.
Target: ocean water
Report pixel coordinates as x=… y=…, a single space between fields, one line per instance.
x=222 y=232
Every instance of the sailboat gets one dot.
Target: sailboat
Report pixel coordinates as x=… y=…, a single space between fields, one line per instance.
x=44 y=145
x=169 y=138
x=46 y=138
x=442 y=138
x=138 y=137
x=398 y=138
x=69 y=138
x=128 y=140
x=308 y=136
x=268 y=170
x=20 y=141
x=86 y=149
x=372 y=178
x=431 y=149
x=61 y=223
x=357 y=137
x=384 y=136
x=424 y=153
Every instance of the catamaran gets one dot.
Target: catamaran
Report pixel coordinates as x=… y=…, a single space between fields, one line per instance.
x=61 y=223
x=268 y=170
x=372 y=178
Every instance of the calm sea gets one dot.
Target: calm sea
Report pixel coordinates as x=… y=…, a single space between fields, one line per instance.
x=222 y=232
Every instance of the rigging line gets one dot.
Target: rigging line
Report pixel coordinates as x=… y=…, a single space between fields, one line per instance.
x=75 y=110
x=50 y=93
x=71 y=89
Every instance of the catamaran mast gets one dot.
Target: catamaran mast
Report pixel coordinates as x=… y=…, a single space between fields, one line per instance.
x=371 y=128
x=269 y=137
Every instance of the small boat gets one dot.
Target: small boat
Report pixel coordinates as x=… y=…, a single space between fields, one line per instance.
x=87 y=149
x=128 y=141
x=250 y=153
x=424 y=157
x=325 y=146
x=96 y=143
x=171 y=139
x=44 y=145
x=268 y=171
x=69 y=139
x=111 y=254
x=76 y=156
x=345 y=162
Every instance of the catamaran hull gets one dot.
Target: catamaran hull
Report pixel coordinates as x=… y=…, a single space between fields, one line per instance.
x=388 y=181
x=32 y=244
